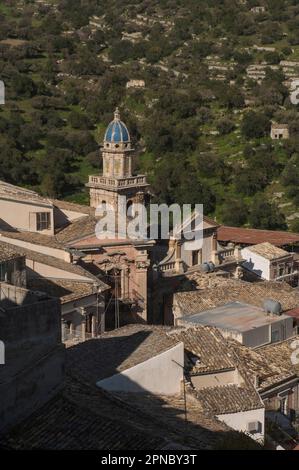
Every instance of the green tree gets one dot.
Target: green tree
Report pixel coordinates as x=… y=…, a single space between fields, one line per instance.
x=255 y=125
x=266 y=215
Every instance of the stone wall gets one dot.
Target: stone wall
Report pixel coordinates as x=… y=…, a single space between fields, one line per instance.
x=34 y=358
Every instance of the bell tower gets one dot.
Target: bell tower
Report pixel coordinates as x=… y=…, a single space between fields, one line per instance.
x=117 y=178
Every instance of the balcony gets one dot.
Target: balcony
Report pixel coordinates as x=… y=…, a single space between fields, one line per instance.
x=116 y=183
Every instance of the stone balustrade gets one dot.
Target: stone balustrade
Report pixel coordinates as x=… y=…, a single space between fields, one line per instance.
x=117 y=182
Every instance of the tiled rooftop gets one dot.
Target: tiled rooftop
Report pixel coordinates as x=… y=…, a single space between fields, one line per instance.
x=275 y=125
x=250 y=236
x=66 y=290
x=71 y=206
x=283 y=354
x=202 y=430
x=207 y=345
x=57 y=263
x=216 y=291
x=7 y=252
x=229 y=399
x=125 y=348
x=79 y=228
x=86 y=417
x=268 y=251
x=9 y=191
x=33 y=237
x=65 y=425
x=257 y=366
x=215 y=353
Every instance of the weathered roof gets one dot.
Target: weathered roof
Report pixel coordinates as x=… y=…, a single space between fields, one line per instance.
x=203 y=429
x=73 y=207
x=58 y=263
x=34 y=238
x=268 y=251
x=294 y=312
x=10 y=191
x=259 y=369
x=125 y=348
x=233 y=316
x=7 y=252
x=275 y=125
x=216 y=291
x=64 y=424
x=250 y=236
x=283 y=354
x=206 y=349
x=86 y=417
x=229 y=399
x=64 y=289
x=77 y=229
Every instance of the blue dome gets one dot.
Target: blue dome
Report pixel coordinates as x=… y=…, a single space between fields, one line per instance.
x=117 y=131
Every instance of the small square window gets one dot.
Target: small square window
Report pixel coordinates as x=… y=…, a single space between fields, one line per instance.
x=43 y=221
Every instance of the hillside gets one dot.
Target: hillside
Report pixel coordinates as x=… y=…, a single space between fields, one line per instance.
x=216 y=74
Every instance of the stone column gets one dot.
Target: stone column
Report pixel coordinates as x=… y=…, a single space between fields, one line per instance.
x=83 y=323
x=142 y=265
x=63 y=331
x=83 y=330
x=93 y=326
x=125 y=282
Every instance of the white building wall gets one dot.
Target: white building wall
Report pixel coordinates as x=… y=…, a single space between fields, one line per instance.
x=161 y=375
x=46 y=250
x=239 y=422
x=63 y=216
x=256 y=263
x=46 y=271
x=214 y=380
x=18 y=215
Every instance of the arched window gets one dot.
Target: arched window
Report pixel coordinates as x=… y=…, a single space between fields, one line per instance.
x=130 y=208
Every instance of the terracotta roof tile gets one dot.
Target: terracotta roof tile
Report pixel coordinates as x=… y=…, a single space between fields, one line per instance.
x=125 y=348
x=77 y=229
x=251 y=236
x=64 y=289
x=258 y=368
x=71 y=206
x=214 y=292
x=7 y=252
x=58 y=263
x=268 y=251
x=206 y=348
x=229 y=399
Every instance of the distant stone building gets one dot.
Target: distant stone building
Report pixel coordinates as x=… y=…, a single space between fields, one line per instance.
x=270 y=263
x=135 y=84
x=12 y=266
x=279 y=131
x=258 y=9
x=249 y=325
x=35 y=252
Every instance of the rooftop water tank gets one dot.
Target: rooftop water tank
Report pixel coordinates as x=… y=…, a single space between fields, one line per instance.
x=272 y=306
x=204 y=268
x=211 y=266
